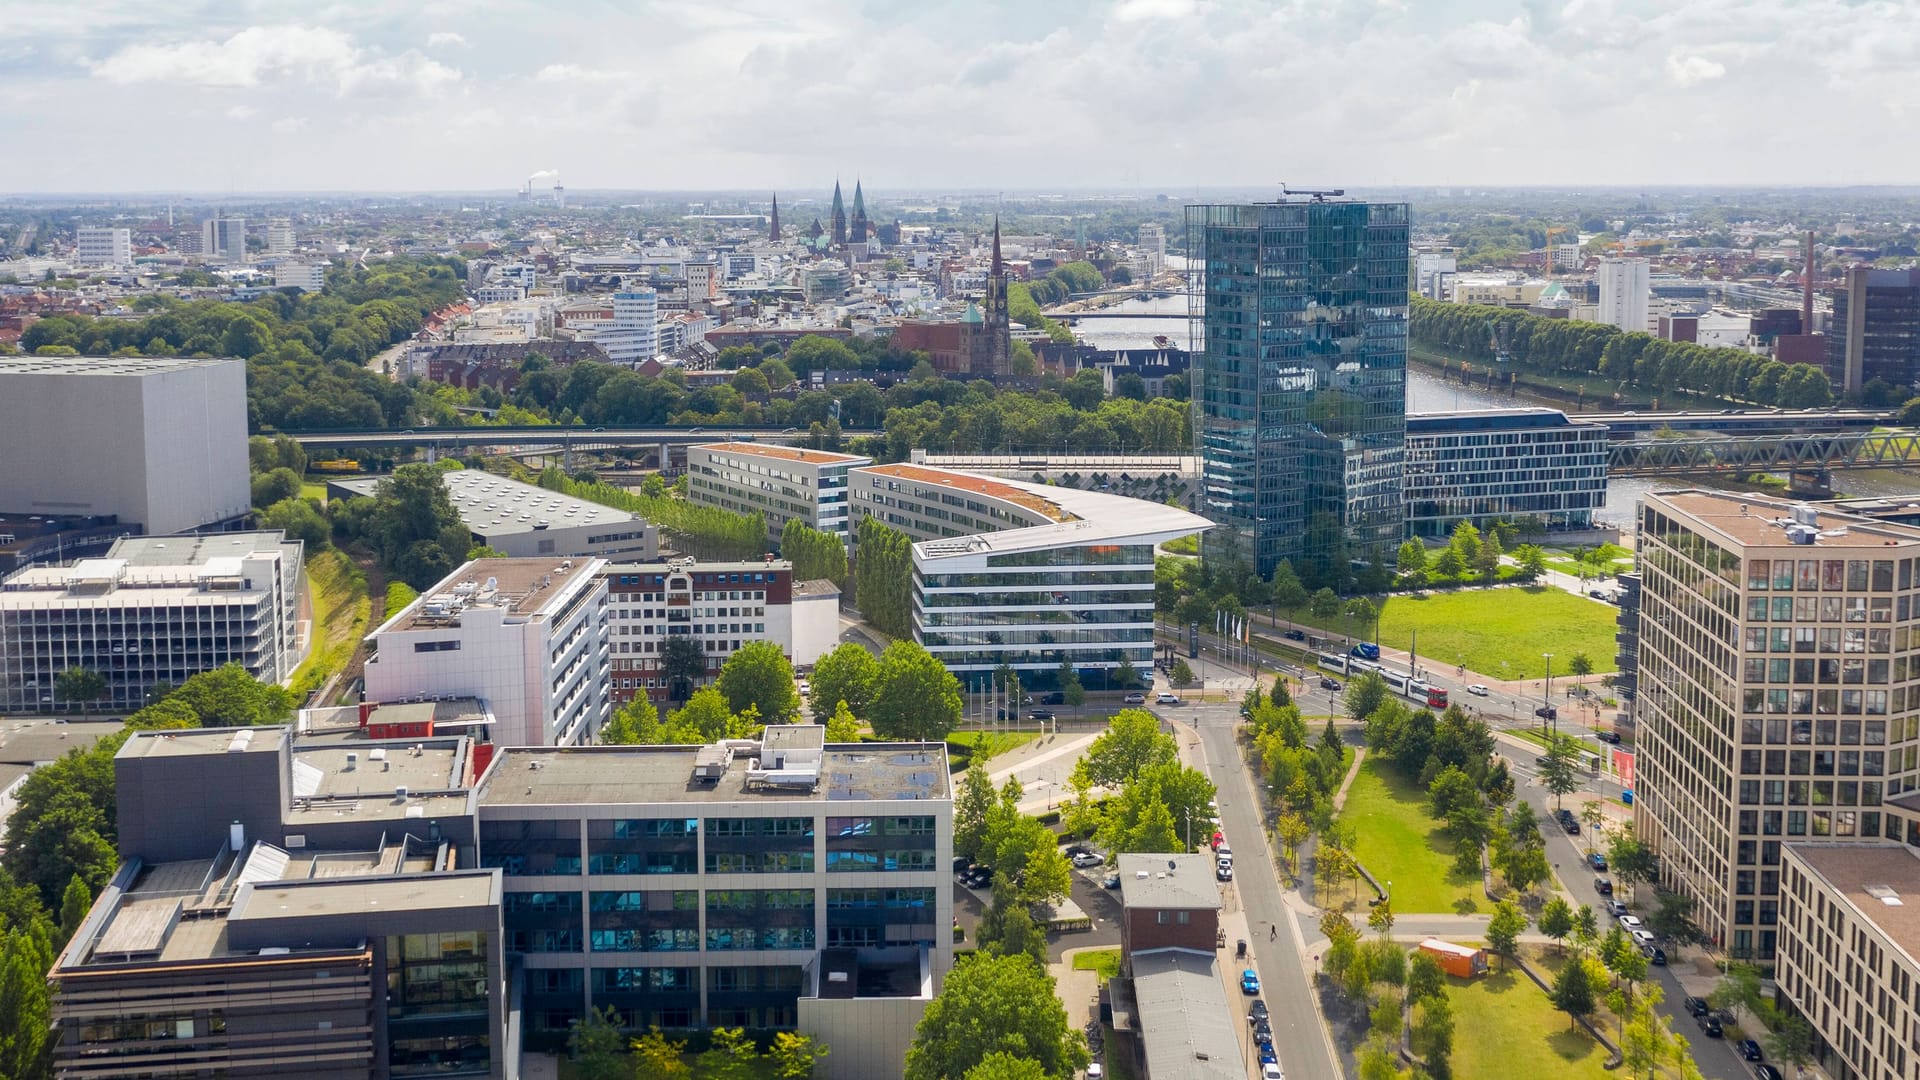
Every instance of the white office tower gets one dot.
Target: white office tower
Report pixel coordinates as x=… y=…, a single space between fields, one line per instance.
x=632 y=336
x=112 y=248
x=279 y=236
x=1623 y=293
x=307 y=277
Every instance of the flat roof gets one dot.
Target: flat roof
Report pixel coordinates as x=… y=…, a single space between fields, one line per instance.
x=1087 y=517
x=1020 y=495
x=1521 y=419
x=196 y=741
x=1751 y=521
x=784 y=453
x=523 y=587
x=123 y=366
x=1186 y=1024
x=816 y=587
x=434 y=767
x=548 y=776
x=493 y=505
x=29 y=742
x=1146 y=882
x=1867 y=876
x=335 y=896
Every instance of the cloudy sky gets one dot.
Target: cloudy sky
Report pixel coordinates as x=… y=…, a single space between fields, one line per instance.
x=232 y=95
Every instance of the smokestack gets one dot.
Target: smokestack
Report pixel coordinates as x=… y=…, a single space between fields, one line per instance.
x=1806 y=289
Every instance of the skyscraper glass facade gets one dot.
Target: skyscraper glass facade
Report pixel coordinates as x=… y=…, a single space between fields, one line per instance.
x=1300 y=343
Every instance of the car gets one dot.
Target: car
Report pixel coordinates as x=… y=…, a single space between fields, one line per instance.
x=1766 y=1072
x=1096 y=1072
x=1709 y=1026
x=1264 y=1042
x=1655 y=955
x=1366 y=650
x=1602 y=886
x=1750 y=1050
x=1263 y=1032
x=805 y=687
x=1111 y=881
x=1547 y=712
x=1223 y=872
x=1597 y=594
x=1477 y=690
x=1295 y=635
x=1563 y=814
x=1257 y=1011
x=1696 y=1006
x=1166 y=698
x=1328 y=682
x=1597 y=861
x=977 y=877
x=1250 y=983
x=1630 y=923
x=1267 y=1056
x=1642 y=938
x=1610 y=737
x=1571 y=826
x=1088 y=859
x=1075 y=849
x=1271 y=1071
x=960 y=864
x=1616 y=908
x=1040 y=714
x=1134 y=698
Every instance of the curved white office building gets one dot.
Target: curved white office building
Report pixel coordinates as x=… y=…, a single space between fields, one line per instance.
x=1006 y=572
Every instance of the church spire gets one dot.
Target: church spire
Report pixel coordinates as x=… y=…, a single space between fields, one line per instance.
x=995 y=269
x=859 y=231
x=838 y=218
x=773 y=228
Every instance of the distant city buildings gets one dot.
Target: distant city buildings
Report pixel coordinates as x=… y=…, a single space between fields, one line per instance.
x=1624 y=293
x=279 y=236
x=307 y=277
x=154 y=611
x=1301 y=362
x=1876 y=330
x=633 y=334
x=109 y=248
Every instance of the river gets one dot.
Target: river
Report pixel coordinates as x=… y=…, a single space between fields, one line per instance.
x=1426 y=393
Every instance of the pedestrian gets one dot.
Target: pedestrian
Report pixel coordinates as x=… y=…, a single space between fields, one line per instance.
x=1273 y=933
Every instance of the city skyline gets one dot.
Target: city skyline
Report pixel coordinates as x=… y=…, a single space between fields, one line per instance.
x=358 y=97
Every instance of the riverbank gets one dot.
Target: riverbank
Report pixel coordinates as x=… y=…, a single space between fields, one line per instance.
x=1586 y=393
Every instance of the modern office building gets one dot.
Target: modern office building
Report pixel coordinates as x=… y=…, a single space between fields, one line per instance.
x=103 y=247
x=632 y=336
x=279 y=236
x=224 y=238
x=1849 y=958
x=1300 y=353
x=721 y=606
x=1027 y=575
x=1876 y=330
x=1623 y=293
x=530 y=637
x=1503 y=464
x=159 y=443
x=154 y=610
x=1773 y=700
x=778 y=884
x=307 y=277
x=527 y=521
x=782 y=483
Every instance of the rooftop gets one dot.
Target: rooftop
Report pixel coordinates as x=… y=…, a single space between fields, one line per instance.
x=495 y=506
x=195 y=741
x=816 y=587
x=1018 y=494
x=134 y=366
x=422 y=892
x=1147 y=882
x=784 y=453
x=518 y=587
x=1188 y=1027
x=30 y=742
x=545 y=776
x=1490 y=420
x=1751 y=521
x=1881 y=881
x=1085 y=517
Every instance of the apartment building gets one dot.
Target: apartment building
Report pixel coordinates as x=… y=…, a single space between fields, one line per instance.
x=1026 y=575
x=307 y=277
x=1624 y=293
x=783 y=483
x=779 y=884
x=1502 y=464
x=224 y=238
x=720 y=606
x=153 y=610
x=1775 y=699
x=104 y=247
x=528 y=521
x=527 y=636
x=632 y=336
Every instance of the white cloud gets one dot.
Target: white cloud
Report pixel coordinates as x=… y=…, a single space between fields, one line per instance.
x=1688 y=70
x=287 y=125
x=1139 y=10
x=575 y=73
x=314 y=55
x=241 y=112
x=448 y=38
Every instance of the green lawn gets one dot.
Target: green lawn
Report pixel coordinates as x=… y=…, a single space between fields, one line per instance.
x=341 y=609
x=1104 y=961
x=1500 y=633
x=1398 y=841
x=1505 y=1026
x=988 y=745
x=311 y=490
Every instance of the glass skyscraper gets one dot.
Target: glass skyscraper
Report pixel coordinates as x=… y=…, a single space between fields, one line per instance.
x=1300 y=346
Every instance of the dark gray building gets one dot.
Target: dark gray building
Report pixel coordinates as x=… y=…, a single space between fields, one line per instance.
x=1300 y=356
x=1876 y=330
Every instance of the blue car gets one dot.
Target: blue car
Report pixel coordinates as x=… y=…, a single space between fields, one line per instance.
x=1249 y=983
x=1267 y=1056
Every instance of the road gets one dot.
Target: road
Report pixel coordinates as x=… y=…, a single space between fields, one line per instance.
x=1299 y=1035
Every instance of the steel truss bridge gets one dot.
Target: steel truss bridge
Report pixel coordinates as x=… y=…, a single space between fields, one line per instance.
x=1804 y=453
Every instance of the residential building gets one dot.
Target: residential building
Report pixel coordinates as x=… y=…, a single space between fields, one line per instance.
x=1771 y=695
x=158 y=442
x=1301 y=363
x=1502 y=464
x=1876 y=330
x=784 y=884
x=528 y=521
x=1623 y=293
x=307 y=277
x=1181 y=1020
x=1168 y=902
x=780 y=482
x=632 y=336
x=224 y=238
x=1021 y=574
x=721 y=606
x=279 y=236
x=154 y=610
x=1434 y=273
x=527 y=636
x=105 y=247
x=1849 y=959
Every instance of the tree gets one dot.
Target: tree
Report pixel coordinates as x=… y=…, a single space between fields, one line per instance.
x=1000 y=1065
x=1532 y=560
x=1525 y=866
x=27 y=1031
x=1380 y=918
x=1425 y=977
x=1132 y=742
x=1558 y=772
x=1365 y=694
x=1556 y=919
x=1505 y=928
x=74 y=905
x=1586 y=926
x=758 y=675
x=228 y=696
x=637 y=723
x=1449 y=564
x=1180 y=674
x=1792 y=1038
x=704 y=719
x=732 y=1054
x=795 y=1055
x=1573 y=993
x=1288 y=594
x=1581 y=665
x=842 y=726
x=1413 y=558
x=994 y=1004
x=1324 y=605
x=847 y=674
x=80 y=686
x=657 y=1057
x=298 y=519
x=916 y=698
x=1738 y=990
x=598 y=1049
x=1433 y=1035
x=1292 y=830
x=274 y=486
x=683 y=660
x=1071 y=691
x=414 y=526
x=1488 y=559
x=1007 y=928
x=1630 y=860
x=1126 y=676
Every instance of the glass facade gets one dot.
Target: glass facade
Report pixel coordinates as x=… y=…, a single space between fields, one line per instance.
x=1300 y=351
x=437 y=1021
x=1482 y=467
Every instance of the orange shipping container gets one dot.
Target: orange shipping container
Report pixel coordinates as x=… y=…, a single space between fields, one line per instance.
x=1464 y=961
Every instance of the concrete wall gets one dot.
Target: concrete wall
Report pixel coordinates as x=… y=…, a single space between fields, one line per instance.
x=179 y=805
x=866 y=1038
x=816 y=628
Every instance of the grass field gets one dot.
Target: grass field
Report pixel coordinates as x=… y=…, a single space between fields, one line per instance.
x=1104 y=961
x=1398 y=841
x=311 y=490
x=1505 y=1026
x=340 y=611
x=1500 y=633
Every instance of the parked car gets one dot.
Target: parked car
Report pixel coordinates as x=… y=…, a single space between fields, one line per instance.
x=1328 y=682
x=1134 y=698
x=1630 y=923
x=1263 y=1032
x=1271 y=1071
x=1616 y=909
x=1250 y=983
x=1477 y=690
x=1597 y=594
x=1547 y=712
x=1697 y=1006
x=1223 y=872
x=1766 y=1072
x=1655 y=955
x=1166 y=698
x=1597 y=861
x=1086 y=860
x=1571 y=826
x=1709 y=1026
x=1750 y=1050
x=1602 y=886
x=1257 y=1011
x=1267 y=1056
x=1040 y=714
x=1609 y=737
x=1295 y=635
x=1219 y=838
x=960 y=864
x=1111 y=881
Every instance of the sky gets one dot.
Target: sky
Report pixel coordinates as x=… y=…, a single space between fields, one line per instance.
x=477 y=95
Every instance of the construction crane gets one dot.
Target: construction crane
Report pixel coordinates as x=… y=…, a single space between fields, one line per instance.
x=1550 y=235
x=1318 y=196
